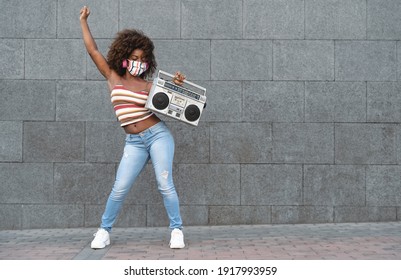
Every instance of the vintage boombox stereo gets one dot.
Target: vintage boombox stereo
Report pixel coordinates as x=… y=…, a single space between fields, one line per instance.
x=184 y=103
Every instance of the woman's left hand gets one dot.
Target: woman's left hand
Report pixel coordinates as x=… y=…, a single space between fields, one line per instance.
x=179 y=78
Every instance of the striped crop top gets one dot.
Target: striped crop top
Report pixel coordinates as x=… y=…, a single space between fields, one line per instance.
x=129 y=106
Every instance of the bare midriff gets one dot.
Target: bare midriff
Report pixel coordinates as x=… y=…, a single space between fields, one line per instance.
x=140 y=126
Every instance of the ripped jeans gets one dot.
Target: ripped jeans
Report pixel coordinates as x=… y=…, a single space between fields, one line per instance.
x=155 y=143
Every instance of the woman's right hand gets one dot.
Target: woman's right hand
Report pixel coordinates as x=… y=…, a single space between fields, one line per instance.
x=84 y=13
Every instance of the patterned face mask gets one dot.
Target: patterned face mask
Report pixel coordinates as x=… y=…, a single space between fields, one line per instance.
x=136 y=68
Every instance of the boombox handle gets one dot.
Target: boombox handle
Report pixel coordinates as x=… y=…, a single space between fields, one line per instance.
x=185 y=82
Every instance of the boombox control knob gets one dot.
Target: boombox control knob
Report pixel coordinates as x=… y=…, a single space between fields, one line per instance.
x=192 y=113
x=160 y=100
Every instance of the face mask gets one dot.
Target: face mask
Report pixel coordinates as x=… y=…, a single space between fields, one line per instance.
x=136 y=68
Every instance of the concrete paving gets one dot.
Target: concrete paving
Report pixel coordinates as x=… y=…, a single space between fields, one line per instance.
x=348 y=241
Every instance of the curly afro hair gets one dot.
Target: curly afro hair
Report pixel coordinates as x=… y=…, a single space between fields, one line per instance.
x=124 y=44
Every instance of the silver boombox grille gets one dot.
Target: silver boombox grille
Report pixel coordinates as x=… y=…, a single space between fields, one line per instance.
x=184 y=103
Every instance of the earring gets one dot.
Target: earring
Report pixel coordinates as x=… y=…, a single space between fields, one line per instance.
x=125 y=63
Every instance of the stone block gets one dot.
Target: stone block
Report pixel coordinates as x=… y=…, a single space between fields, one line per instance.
x=237 y=215
x=302 y=214
x=384 y=102
x=211 y=19
x=383 y=185
x=83 y=101
x=26 y=183
x=11 y=216
x=10 y=141
x=334 y=185
x=92 y=73
x=240 y=142
x=273 y=101
x=131 y=216
x=191 y=57
x=271 y=184
x=156 y=216
x=27 y=100
x=303 y=143
x=348 y=214
x=55 y=59
x=93 y=215
x=103 y=20
x=335 y=19
x=191 y=143
x=104 y=142
x=194 y=215
x=11 y=59
x=399 y=60
x=366 y=61
x=335 y=102
x=303 y=60
x=83 y=183
x=366 y=143
x=28 y=19
x=209 y=184
x=158 y=19
x=52 y=216
x=241 y=60
x=224 y=101
x=273 y=19
x=384 y=22
x=54 y=141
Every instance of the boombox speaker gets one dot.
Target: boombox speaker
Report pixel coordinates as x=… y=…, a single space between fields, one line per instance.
x=184 y=103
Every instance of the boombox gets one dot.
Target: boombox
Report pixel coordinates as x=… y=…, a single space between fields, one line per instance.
x=184 y=103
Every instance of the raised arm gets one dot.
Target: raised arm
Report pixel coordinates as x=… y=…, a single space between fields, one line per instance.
x=91 y=46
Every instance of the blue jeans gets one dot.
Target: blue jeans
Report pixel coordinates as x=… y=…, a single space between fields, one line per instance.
x=156 y=143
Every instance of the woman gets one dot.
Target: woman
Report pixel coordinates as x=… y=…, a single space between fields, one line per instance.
x=129 y=62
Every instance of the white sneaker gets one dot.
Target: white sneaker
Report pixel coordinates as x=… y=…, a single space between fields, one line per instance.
x=101 y=240
x=177 y=239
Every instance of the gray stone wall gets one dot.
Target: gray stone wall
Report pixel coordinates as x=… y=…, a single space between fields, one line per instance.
x=302 y=123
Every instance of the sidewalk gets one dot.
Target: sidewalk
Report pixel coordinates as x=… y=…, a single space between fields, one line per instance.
x=362 y=241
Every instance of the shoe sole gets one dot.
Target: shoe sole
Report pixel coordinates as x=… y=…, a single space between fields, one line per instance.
x=177 y=247
x=101 y=246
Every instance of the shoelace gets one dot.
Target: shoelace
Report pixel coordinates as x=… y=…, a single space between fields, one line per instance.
x=177 y=237
x=96 y=233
